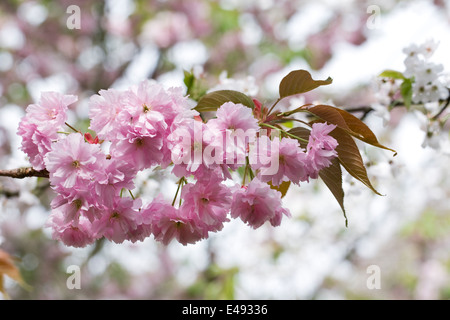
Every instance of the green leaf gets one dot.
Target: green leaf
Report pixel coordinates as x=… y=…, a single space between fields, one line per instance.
x=213 y=100
x=299 y=81
x=347 y=122
x=195 y=87
x=392 y=74
x=406 y=91
x=189 y=80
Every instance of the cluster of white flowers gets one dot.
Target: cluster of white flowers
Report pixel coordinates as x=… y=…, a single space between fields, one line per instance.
x=428 y=83
x=423 y=88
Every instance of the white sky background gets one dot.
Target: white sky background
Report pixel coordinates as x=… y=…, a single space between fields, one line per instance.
x=408 y=23
x=296 y=276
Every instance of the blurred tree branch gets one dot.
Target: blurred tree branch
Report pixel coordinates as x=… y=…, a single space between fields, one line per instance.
x=21 y=173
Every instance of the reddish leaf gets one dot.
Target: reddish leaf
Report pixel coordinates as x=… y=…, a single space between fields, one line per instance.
x=302 y=133
x=8 y=268
x=283 y=187
x=348 y=122
x=332 y=176
x=350 y=158
x=299 y=81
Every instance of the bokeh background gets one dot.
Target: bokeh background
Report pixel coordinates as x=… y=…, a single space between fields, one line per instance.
x=249 y=45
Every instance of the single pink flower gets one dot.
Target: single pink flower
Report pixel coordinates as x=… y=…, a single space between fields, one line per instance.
x=279 y=161
x=35 y=144
x=50 y=113
x=321 y=148
x=208 y=201
x=231 y=116
x=103 y=111
x=73 y=234
x=108 y=183
x=258 y=203
x=193 y=150
x=168 y=223
x=118 y=222
x=72 y=163
x=139 y=150
x=152 y=108
x=237 y=127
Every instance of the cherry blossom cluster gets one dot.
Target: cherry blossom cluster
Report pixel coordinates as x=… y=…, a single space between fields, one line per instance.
x=147 y=126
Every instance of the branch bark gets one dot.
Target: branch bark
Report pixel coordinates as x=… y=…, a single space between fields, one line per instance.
x=21 y=173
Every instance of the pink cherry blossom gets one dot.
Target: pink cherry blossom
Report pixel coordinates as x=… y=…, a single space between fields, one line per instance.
x=50 y=113
x=73 y=234
x=72 y=162
x=284 y=160
x=118 y=222
x=207 y=200
x=193 y=150
x=117 y=175
x=321 y=148
x=168 y=223
x=139 y=150
x=231 y=116
x=237 y=127
x=103 y=111
x=152 y=108
x=258 y=203
x=34 y=143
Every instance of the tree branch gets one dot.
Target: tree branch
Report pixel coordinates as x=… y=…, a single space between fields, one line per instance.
x=21 y=173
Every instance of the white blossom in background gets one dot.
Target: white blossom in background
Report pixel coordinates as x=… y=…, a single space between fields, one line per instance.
x=384 y=92
x=429 y=94
x=428 y=85
x=246 y=85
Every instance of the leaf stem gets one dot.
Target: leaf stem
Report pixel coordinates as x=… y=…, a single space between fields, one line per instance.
x=283 y=131
x=447 y=102
x=180 y=182
x=72 y=127
x=273 y=106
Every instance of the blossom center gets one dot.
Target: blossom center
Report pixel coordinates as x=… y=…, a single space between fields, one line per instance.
x=178 y=224
x=204 y=200
x=197 y=146
x=76 y=164
x=139 y=142
x=77 y=203
x=145 y=108
x=115 y=215
x=52 y=114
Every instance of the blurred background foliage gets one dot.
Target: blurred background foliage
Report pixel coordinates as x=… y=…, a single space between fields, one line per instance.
x=312 y=255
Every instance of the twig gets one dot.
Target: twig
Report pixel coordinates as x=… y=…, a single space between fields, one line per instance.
x=447 y=102
x=21 y=173
x=8 y=193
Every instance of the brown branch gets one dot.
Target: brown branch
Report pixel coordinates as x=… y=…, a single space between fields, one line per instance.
x=21 y=173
